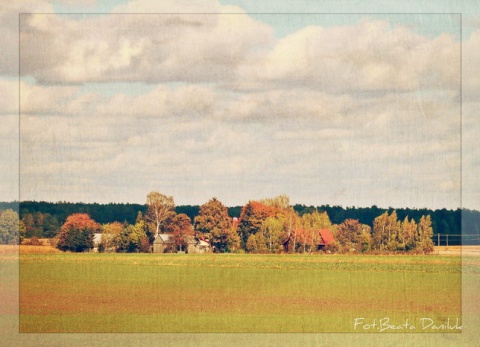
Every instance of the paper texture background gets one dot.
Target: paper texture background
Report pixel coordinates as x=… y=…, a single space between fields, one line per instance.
x=111 y=110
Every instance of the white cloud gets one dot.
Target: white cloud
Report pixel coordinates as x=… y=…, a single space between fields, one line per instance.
x=47 y=100
x=358 y=114
x=369 y=56
x=139 y=47
x=471 y=62
x=234 y=50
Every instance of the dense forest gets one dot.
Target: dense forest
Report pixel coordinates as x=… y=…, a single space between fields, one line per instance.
x=44 y=218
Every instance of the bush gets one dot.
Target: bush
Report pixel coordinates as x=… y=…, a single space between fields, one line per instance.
x=145 y=246
x=33 y=241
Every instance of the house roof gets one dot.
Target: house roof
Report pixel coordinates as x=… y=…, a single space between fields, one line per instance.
x=163 y=238
x=326 y=236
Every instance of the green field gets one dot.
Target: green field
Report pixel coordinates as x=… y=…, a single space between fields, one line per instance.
x=237 y=293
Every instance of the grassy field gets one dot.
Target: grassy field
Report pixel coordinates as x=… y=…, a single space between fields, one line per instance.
x=237 y=293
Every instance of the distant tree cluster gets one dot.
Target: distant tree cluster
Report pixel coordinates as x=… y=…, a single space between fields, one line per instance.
x=40 y=225
x=391 y=235
x=263 y=226
x=273 y=226
x=46 y=217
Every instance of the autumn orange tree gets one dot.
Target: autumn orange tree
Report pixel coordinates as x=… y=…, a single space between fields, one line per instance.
x=353 y=236
x=253 y=214
x=181 y=229
x=77 y=233
x=213 y=220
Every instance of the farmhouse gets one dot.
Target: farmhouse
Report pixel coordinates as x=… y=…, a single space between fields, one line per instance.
x=164 y=244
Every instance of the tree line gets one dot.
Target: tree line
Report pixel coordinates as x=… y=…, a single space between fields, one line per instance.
x=263 y=226
x=44 y=219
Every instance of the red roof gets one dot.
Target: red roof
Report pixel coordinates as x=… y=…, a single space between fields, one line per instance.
x=326 y=236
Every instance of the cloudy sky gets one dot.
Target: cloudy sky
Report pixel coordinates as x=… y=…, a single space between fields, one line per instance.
x=344 y=109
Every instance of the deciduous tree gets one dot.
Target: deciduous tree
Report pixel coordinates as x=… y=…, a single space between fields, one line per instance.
x=77 y=233
x=110 y=236
x=213 y=220
x=409 y=230
x=311 y=224
x=385 y=232
x=181 y=230
x=423 y=239
x=253 y=215
x=132 y=238
x=12 y=230
x=273 y=232
x=352 y=235
x=159 y=208
x=292 y=228
x=29 y=222
x=256 y=243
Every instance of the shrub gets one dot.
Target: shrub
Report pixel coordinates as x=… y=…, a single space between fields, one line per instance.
x=33 y=241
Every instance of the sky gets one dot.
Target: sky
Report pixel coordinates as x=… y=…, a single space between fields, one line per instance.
x=328 y=107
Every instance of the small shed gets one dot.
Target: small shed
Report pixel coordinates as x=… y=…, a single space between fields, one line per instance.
x=162 y=244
